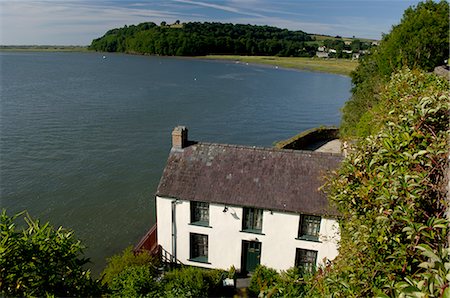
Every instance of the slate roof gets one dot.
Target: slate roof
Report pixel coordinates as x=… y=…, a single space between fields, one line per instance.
x=267 y=178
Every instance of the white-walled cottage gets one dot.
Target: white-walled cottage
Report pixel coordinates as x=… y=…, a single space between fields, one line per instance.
x=222 y=205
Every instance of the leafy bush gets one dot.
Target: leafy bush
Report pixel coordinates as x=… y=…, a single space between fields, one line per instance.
x=293 y=283
x=191 y=282
x=42 y=261
x=118 y=263
x=135 y=281
x=391 y=193
x=263 y=279
x=267 y=282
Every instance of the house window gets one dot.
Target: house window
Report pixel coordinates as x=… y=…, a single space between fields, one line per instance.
x=200 y=213
x=199 y=248
x=306 y=259
x=309 y=227
x=252 y=221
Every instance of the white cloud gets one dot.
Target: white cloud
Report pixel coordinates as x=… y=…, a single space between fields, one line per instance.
x=80 y=21
x=68 y=22
x=227 y=8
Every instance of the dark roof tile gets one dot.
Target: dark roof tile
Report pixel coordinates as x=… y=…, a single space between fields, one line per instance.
x=268 y=178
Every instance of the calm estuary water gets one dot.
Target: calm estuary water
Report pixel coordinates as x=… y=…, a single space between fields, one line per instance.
x=84 y=139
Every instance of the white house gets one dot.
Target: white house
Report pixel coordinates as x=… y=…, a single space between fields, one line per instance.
x=222 y=205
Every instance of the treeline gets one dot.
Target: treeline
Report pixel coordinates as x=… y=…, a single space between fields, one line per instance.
x=196 y=39
x=420 y=41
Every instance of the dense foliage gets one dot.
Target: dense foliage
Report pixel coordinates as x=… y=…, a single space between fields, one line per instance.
x=267 y=282
x=194 y=39
x=40 y=260
x=135 y=281
x=192 y=282
x=419 y=41
x=118 y=263
x=391 y=193
x=132 y=275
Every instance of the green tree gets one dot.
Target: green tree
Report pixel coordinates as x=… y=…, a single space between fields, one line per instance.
x=419 y=41
x=355 y=45
x=391 y=193
x=41 y=260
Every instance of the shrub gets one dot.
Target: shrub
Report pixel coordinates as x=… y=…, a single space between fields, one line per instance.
x=134 y=281
x=263 y=279
x=42 y=261
x=118 y=263
x=191 y=282
x=266 y=282
x=292 y=283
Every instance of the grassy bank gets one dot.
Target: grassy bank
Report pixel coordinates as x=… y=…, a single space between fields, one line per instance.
x=337 y=66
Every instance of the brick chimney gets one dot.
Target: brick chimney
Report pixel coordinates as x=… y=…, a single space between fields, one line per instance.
x=179 y=137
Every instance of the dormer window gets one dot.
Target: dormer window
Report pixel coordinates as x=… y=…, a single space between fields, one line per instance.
x=200 y=213
x=309 y=227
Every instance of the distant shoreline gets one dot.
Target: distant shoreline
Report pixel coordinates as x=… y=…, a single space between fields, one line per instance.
x=334 y=66
x=43 y=48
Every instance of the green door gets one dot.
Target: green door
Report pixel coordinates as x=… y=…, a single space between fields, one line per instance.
x=251 y=255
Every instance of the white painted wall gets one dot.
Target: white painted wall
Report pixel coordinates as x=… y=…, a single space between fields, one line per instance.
x=278 y=236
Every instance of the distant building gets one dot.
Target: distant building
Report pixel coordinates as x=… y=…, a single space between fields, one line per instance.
x=222 y=205
x=322 y=54
x=332 y=51
x=322 y=49
x=355 y=56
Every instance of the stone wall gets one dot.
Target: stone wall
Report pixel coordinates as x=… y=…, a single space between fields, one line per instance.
x=310 y=139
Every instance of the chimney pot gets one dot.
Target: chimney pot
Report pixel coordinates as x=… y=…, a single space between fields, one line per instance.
x=179 y=137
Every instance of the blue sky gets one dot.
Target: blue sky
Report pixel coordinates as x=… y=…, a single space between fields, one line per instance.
x=77 y=22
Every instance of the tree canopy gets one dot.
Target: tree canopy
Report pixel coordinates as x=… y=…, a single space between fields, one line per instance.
x=195 y=38
x=420 y=41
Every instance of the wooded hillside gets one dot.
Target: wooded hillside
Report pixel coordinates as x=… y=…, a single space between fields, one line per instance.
x=194 y=39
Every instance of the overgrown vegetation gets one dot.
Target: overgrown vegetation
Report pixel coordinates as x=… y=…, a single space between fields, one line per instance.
x=131 y=275
x=391 y=194
x=420 y=41
x=118 y=263
x=267 y=282
x=40 y=260
x=192 y=282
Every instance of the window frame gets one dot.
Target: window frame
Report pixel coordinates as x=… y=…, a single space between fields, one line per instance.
x=306 y=259
x=307 y=223
x=196 y=213
x=198 y=247
x=251 y=222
